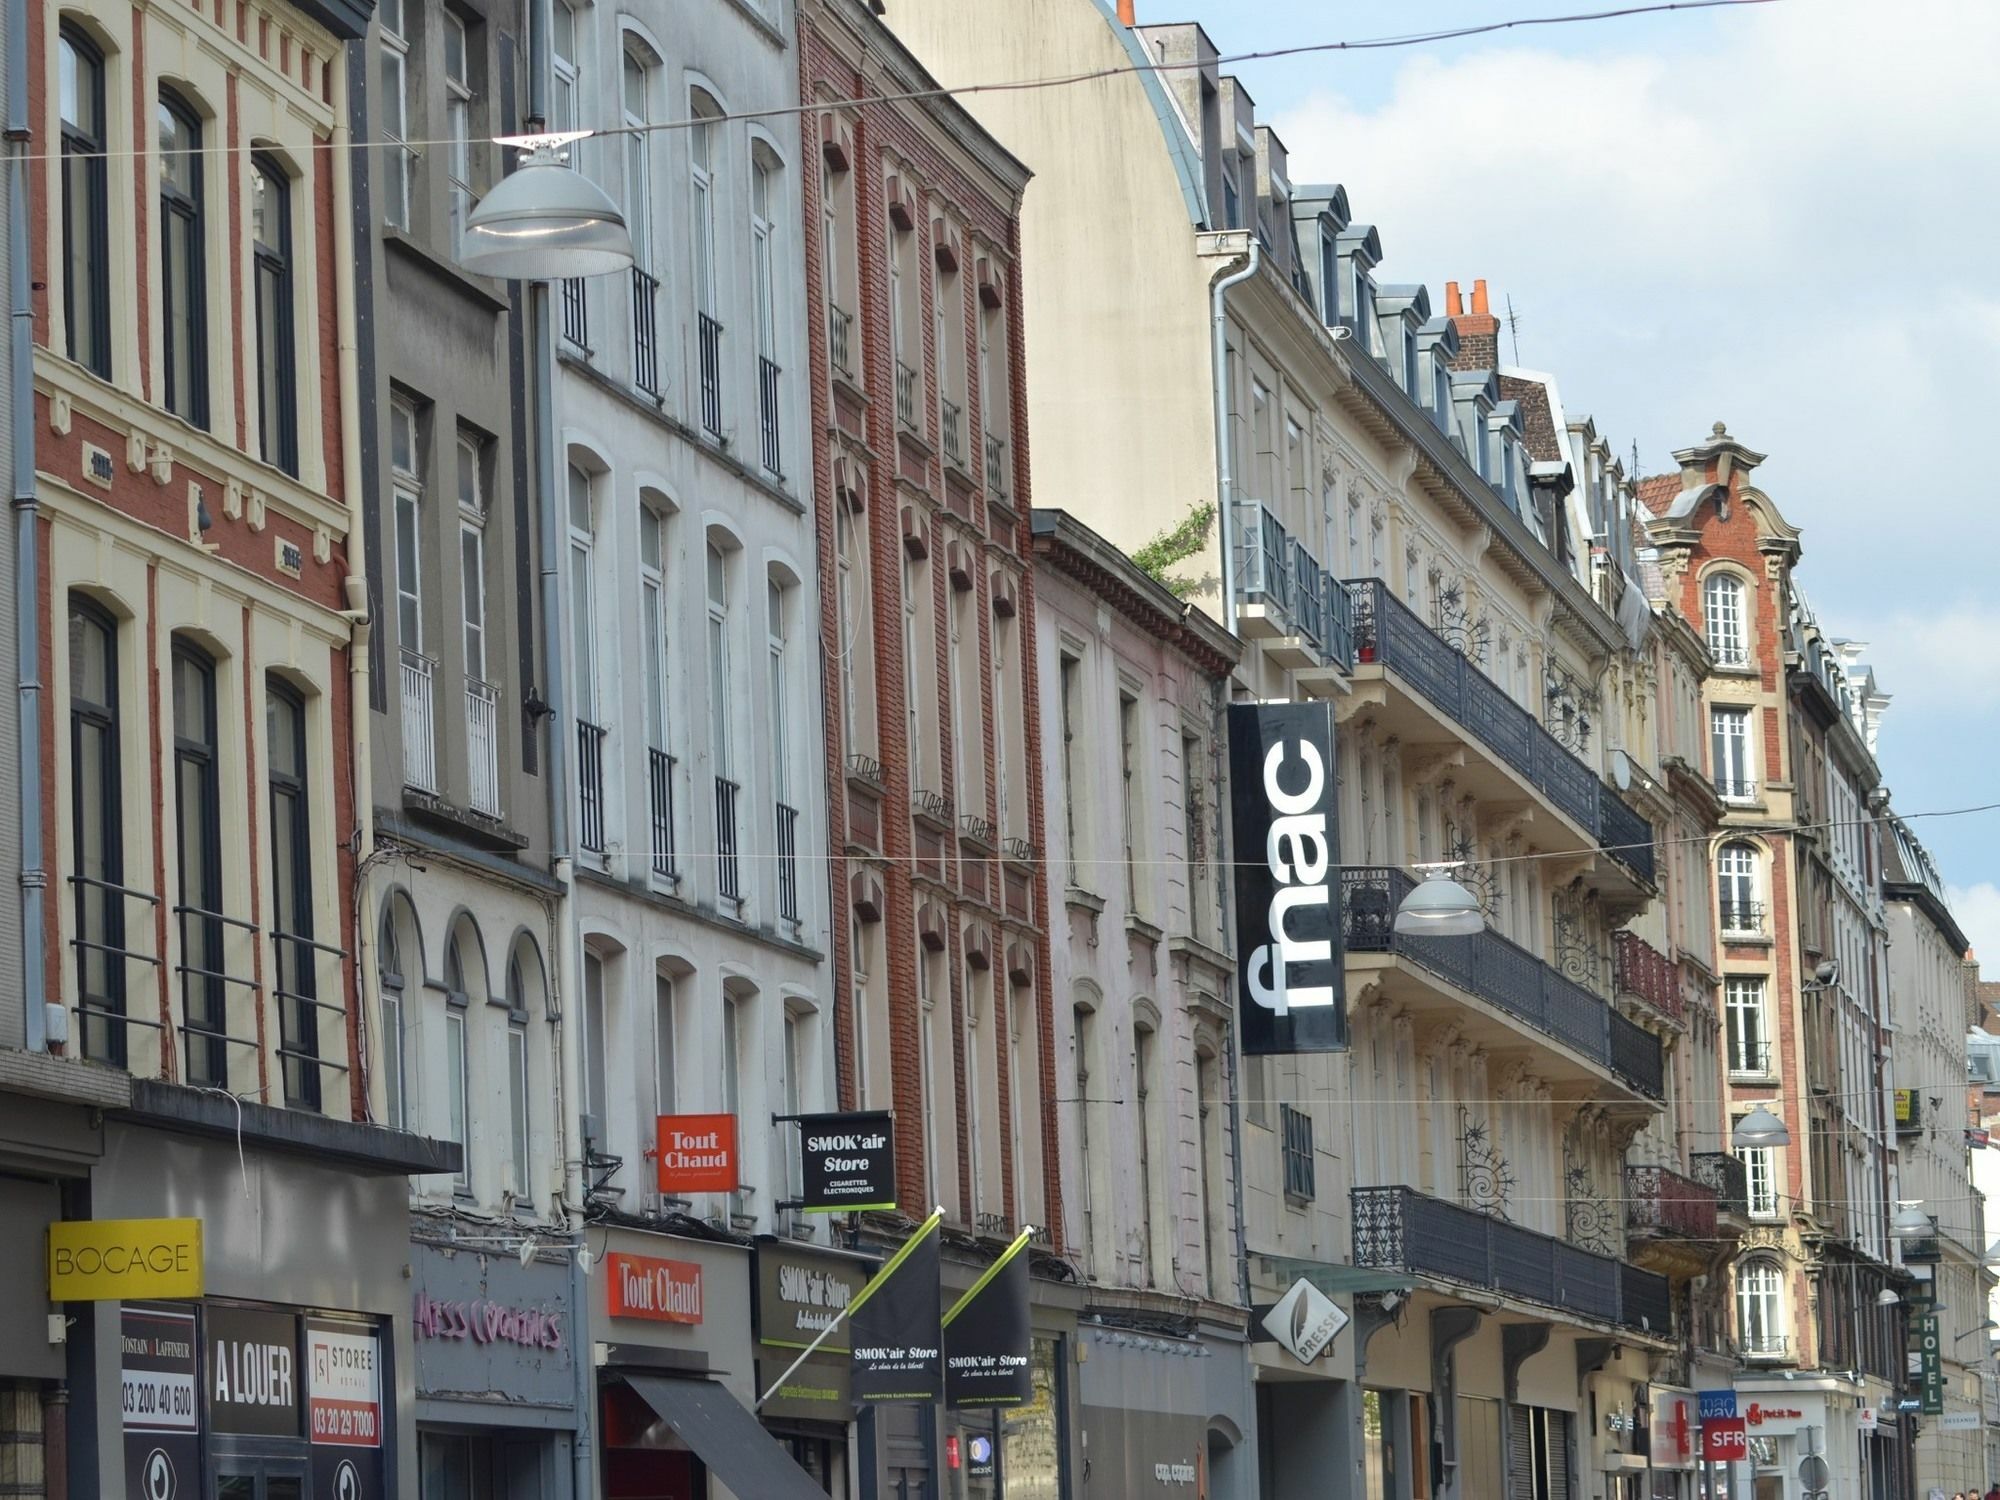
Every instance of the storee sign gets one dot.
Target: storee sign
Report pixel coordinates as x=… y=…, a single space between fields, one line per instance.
x=1291 y=993
x=696 y=1154
x=848 y=1162
x=344 y=1410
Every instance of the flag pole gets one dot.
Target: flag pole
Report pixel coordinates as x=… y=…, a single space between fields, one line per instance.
x=888 y=1269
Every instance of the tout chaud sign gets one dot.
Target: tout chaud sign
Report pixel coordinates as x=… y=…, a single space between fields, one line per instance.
x=1291 y=994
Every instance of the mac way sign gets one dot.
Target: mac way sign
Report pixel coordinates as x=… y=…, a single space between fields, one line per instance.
x=1291 y=994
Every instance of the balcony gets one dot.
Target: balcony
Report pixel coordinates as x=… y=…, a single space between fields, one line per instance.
x=646 y=332
x=906 y=396
x=728 y=845
x=1644 y=971
x=1505 y=976
x=482 y=746
x=1766 y=1348
x=996 y=466
x=769 y=448
x=1736 y=789
x=1725 y=1175
x=1749 y=1058
x=660 y=805
x=1401 y=1229
x=1659 y=1200
x=590 y=786
x=840 y=341
x=1391 y=636
x=788 y=863
x=419 y=723
x=575 y=313
x=1741 y=918
x=708 y=334
x=951 y=431
x=1287 y=598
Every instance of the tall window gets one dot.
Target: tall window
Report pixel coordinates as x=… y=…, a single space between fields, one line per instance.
x=1008 y=733
x=85 y=204
x=1086 y=1113
x=791 y=1078
x=562 y=35
x=198 y=830
x=389 y=972
x=1760 y=1172
x=968 y=774
x=934 y=1106
x=653 y=614
x=1729 y=747
x=1723 y=614
x=732 y=1055
x=1329 y=279
x=718 y=660
x=472 y=553
x=1749 y=1028
x=517 y=1094
x=1131 y=791
x=271 y=232
x=915 y=590
x=703 y=139
x=666 y=1082
x=394 y=100
x=1208 y=1151
x=403 y=463
x=637 y=88
x=97 y=830
x=1069 y=688
x=1736 y=889
x=762 y=233
x=774 y=608
x=457 y=124
x=1194 y=818
x=595 y=1098
x=1759 y=1307
x=583 y=611
x=292 y=944
x=183 y=286
x=1143 y=1048
x=857 y=633
x=1441 y=391
x=457 y=1064
x=979 y=1063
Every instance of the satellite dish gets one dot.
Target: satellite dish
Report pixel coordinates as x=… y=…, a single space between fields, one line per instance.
x=1621 y=770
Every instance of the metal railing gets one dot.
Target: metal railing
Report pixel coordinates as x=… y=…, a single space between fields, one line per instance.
x=951 y=429
x=646 y=332
x=1662 y=1199
x=590 y=785
x=1749 y=1059
x=728 y=848
x=840 y=339
x=419 y=722
x=103 y=992
x=933 y=805
x=301 y=981
x=207 y=976
x=1387 y=632
x=1339 y=621
x=1506 y=976
x=1308 y=594
x=906 y=395
x=996 y=464
x=771 y=449
x=1765 y=1346
x=708 y=334
x=1278 y=573
x=1263 y=564
x=788 y=863
x=1295 y=1137
x=976 y=828
x=575 y=313
x=1401 y=1229
x=660 y=802
x=1724 y=1174
x=1645 y=971
x=1740 y=916
x=1735 y=788
x=482 y=746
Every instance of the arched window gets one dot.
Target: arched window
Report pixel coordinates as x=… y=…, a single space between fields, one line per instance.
x=1760 y=1308
x=1090 y=1148
x=636 y=85
x=295 y=954
x=1145 y=1085
x=457 y=1121
x=519 y=1103
x=1723 y=614
x=85 y=206
x=183 y=285
x=705 y=157
x=763 y=241
x=395 y=951
x=97 y=832
x=728 y=873
x=777 y=600
x=271 y=235
x=1736 y=894
x=198 y=831
x=653 y=619
x=583 y=613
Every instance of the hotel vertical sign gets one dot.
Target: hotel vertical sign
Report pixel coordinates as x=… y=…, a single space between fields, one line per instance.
x=1291 y=993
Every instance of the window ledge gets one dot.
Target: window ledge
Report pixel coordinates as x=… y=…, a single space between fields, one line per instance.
x=1138 y=927
x=490 y=834
x=1078 y=899
x=487 y=293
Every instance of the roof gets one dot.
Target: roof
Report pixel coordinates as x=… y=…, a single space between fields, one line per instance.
x=1657 y=492
x=1538 y=426
x=1062 y=540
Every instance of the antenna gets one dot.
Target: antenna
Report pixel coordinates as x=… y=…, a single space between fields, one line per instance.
x=1514 y=327
x=1635 y=460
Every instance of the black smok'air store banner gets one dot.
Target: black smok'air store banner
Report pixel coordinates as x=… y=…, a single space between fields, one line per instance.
x=1291 y=996
x=897 y=1326
x=989 y=1339
x=849 y=1162
x=252 y=1372
x=162 y=1402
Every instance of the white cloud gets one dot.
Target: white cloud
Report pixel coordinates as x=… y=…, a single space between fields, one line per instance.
x=1946 y=661
x=1977 y=908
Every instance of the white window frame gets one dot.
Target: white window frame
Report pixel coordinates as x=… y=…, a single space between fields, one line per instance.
x=1760 y=1176
x=458 y=1094
x=1725 y=619
x=776 y=603
x=472 y=558
x=719 y=679
x=666 y=1045
x=702 y=141
x=1730 y=748
x=583 y=601
x=1747 y=1028
x=638 y=152
x=518 y=1109
x=397 y=156
x=408 y=489
x=763 y=256
x=653 y=620
x=458 y=125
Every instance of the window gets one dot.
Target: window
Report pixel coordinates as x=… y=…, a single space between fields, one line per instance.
x=919 y=696
x=980 y=1064
x=653 y=612
x=1441 y=391
x=1009 y=732
x=1410 y=362
x=779 y=757
x=583 y=611
x=856 y=644
x=637 y=86
x=271 y=233
x=994 y=411
x=905 y=322
x=791 y=1065
x=183 y=285
x=472 y=553
x=1143 y=1047
x=395 y=104
x=389 y=970
x=1232 y=207
x=1760 y=1173
x=1086 y=1112
x=457 y=125
x=1749 y=1029
x=97 y=830
x=718 y=660
x=732 y=1055
x=294 y=952
x=948 y=294
x=962 y=674
x=409 y=548
x=1729 y=747
x=198 y=831
x=1069 y=675
x=934 y=1106
x=517 y=1105
x=86 y=232
x=1759 y=1308
x=1295 y=1129
x=563 y=34
x=666 y=1082
x=1329 y=279
x=1208 y=1152
x=1723 y=615
x=703 y=139
x=1736 y=889
x=1023 y=1105
x=1507 y=469
x=1194 y=821
x=763 y=238
x=1364 y=308
x=595 y=1099
x=1131 y=791
x=457 y=1088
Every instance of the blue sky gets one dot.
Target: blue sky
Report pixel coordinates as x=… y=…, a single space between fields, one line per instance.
x=1779 y=216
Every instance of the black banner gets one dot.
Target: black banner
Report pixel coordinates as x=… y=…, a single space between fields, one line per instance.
x=162 y=1402
x=897 y=1326
x=252 y=1374
x=1291 y=993
x=848 y=1161
x=989 y=1338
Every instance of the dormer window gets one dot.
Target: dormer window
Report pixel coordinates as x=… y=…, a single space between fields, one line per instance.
x=1329 y=279
x=1441 y=392
x=1364 y=308
x=1232 y=206
x=1409 y=361
x=1507 y=469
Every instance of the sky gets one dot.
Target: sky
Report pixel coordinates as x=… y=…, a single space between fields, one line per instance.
x=1780 y=216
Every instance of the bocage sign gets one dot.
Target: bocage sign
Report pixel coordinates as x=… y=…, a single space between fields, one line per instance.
x=848 y=1162
x=1290 y=989
x=96 y=1260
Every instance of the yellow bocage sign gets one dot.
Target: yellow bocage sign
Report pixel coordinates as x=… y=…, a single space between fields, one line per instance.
x=104 y=1260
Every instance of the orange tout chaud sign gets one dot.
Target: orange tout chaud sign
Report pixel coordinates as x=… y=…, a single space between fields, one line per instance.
x=647 y=1286
x=697 y=1154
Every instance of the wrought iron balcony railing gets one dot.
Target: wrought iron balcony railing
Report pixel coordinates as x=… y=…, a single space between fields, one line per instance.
x=482 y=745
x=590 y=785
x=1724 y=1174
x=1506 y=976
x=728 y=848
x=576 y=312
x=840 y=340
x=788 y=863
x=1749 y=1058
x=1741 y=916
x=660 y=805
x=1388 y=632
x=1264 y=561
x=1277 y=572
x=1765 y=1346
x=951 y=430
x=996 y=464
x=645 y=332
x=709 y=336
x=1645 y=971
x=771 y=448
x=1735 y=788
x=419 y=722
x=1659 y=1198
x=1401 y=1229
x=906 y=395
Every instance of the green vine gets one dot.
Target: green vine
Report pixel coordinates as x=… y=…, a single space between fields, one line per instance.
x=1176 y=545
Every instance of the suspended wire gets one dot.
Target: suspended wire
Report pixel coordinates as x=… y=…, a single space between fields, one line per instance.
x=1018 y=85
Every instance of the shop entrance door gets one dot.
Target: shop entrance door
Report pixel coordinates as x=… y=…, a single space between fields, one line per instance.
x=260 y=1478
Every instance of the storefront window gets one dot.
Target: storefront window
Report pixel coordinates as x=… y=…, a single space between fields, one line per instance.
x=1031 y=1437
x=447 y=1467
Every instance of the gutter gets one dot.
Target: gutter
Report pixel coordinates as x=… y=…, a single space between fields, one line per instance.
x=1225 y=484
x=35 y=1013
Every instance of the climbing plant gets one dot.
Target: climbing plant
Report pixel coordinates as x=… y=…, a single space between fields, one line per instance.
x=1175 y=545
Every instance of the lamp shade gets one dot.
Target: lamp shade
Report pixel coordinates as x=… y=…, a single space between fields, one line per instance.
x=1440 y=907
x=1911 y=1223
x=1759 y=1128
x=544 y=222
x=1887 y=1297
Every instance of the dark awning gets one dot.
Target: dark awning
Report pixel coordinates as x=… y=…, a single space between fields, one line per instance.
x=726 y=1437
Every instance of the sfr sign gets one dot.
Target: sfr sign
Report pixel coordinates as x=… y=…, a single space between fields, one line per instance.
x=1724 y=1440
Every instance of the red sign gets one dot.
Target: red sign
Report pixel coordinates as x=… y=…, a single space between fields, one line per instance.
x=697 y=1153
x=1723 y=1440
x=1757 y=1415
x=344 y=1386
x=645 y=1286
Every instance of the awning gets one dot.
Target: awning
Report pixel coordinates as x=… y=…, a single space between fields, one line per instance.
x=727 y=1438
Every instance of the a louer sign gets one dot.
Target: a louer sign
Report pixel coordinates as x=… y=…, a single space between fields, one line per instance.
x=1290 y=992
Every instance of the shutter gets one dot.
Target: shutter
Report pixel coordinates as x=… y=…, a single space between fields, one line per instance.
x=1558 y=1454
x=1520 y=1454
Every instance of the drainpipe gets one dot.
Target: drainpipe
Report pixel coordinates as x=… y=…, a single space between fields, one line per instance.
x=27 y=564
x=1225 y=484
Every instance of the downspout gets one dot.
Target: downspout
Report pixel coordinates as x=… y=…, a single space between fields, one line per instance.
x=27 y=564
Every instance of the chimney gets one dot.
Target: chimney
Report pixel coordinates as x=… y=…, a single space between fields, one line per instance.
x=1478 y=330
x=1127 y=16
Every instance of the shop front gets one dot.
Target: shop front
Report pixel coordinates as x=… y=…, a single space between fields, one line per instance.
x=495 y=1349
x=802 y=1290
x=1164 y=1416
x=1784 y=1422
x=670 y=1319
x=1014 y=1452
x=1673 y=1438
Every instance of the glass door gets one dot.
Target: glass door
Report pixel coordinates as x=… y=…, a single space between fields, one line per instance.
x=260 y=1479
